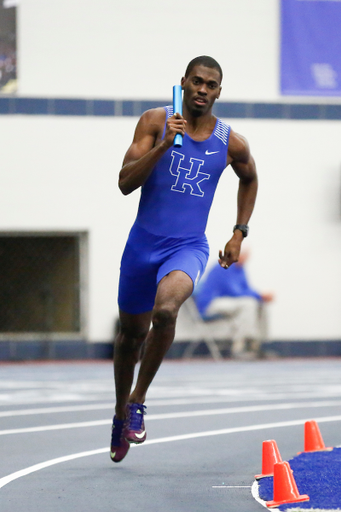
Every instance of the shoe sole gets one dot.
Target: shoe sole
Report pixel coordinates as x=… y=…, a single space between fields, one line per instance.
x=116 y=461
x=135 y=441
x=113 y=453
x=133 y=436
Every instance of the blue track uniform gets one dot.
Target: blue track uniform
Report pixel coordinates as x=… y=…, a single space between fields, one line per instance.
x=169 y=230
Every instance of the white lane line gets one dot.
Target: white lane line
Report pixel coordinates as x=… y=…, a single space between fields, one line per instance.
x=177 y=415
x=216 y=396
x=151 y=403
x=231 y=486
x=51 y=410
x=37 y=467
x=255 y=494
x=103 y=406
x=61 y=426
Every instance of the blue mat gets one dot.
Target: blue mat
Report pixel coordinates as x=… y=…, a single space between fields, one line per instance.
x=317 y=474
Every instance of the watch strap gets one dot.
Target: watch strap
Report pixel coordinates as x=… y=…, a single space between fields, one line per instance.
x=244 y=228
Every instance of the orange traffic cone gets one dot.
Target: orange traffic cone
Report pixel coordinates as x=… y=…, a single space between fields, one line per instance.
x=313 y=441
x=270 y=455
x=285 y=488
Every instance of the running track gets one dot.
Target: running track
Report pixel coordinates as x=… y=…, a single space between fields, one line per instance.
x=206 y=422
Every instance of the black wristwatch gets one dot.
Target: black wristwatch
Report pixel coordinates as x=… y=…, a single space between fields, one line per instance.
x=243 y=228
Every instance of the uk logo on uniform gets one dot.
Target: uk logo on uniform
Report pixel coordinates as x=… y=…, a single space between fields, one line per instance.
x=187 y=179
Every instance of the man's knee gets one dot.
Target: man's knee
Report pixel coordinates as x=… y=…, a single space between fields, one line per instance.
x=164 y=316
x=130 y=336
x=131 y=331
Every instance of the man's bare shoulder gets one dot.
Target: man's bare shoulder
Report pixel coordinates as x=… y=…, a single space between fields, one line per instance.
x=154 y=118
x=150 y=124
x=239 y=148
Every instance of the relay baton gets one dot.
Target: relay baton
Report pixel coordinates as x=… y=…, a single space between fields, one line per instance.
x=177 y=109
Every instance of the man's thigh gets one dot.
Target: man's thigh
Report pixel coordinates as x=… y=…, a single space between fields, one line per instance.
x=173 y=290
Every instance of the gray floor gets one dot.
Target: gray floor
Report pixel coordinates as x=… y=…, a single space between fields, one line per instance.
x=55 y=422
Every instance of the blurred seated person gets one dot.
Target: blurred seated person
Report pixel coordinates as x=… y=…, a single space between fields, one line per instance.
x=227 y=293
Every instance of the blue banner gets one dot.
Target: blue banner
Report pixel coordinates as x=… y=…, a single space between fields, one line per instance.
x=311 y=47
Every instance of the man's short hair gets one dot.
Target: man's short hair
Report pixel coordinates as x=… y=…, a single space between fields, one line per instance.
x=204 y=60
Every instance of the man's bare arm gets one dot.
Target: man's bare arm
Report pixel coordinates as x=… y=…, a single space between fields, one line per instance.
x=146 y=150
x=244 y=166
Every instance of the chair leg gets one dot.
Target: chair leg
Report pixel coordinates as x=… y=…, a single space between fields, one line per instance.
x=214 y=349
x=211 y=345
x=189 y=350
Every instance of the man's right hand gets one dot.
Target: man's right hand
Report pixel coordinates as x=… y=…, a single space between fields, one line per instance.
x=174 y=125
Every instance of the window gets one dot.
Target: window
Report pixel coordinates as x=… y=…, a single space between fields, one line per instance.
x=42 y=285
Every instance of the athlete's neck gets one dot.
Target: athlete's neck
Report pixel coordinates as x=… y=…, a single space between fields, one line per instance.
x=199 y=127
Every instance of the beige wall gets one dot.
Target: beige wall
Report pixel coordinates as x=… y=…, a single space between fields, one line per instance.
x=107 y=48
x=60 y=173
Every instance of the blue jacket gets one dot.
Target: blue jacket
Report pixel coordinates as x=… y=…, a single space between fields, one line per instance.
x=223 y=283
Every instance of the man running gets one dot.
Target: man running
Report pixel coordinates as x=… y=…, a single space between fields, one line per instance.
x=167 y=250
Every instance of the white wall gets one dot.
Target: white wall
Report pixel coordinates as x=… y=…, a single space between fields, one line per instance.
x=109 y=48
x=295 y=232
x=60 y=173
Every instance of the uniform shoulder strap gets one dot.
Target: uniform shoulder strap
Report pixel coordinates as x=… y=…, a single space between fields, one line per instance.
x=222 y=131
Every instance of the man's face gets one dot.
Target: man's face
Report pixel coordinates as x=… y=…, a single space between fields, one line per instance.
x=201 y=88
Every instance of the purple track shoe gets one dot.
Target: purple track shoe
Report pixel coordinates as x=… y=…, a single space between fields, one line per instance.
x=134 y=430
x=119 y=446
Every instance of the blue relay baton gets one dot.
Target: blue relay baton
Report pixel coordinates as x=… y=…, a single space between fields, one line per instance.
x=177 y=109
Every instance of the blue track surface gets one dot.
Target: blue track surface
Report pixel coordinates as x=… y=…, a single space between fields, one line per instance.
x=317 y=474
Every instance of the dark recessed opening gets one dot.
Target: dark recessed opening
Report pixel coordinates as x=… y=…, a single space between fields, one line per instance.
x=39 y=284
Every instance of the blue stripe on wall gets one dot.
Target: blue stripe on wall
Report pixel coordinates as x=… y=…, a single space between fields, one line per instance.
x=80 y=107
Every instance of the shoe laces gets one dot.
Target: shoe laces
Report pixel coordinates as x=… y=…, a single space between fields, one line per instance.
x=116 y=432
x=135 y=416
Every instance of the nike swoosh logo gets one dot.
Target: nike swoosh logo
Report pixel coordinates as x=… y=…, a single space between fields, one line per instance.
x=112 y=454
x=139 y=436
x=210 y=152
